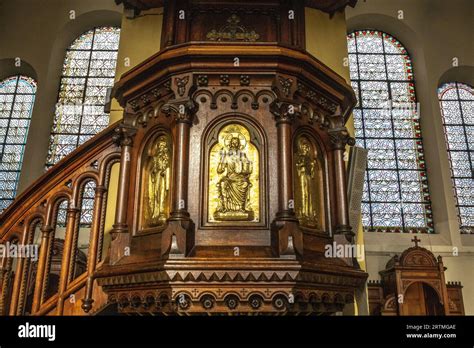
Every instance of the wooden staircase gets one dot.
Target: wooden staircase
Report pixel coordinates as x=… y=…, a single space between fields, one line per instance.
x=25 y=281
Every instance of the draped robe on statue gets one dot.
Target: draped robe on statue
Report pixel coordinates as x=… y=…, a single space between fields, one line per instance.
x=234 y=187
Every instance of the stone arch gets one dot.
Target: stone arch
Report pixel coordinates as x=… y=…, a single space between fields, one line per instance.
x=8 y=68
x=463 y=73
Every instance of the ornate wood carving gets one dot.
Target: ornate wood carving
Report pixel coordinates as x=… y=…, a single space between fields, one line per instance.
x=235 y=209
x=233 y=21
x=414 y=267
x=92 y=160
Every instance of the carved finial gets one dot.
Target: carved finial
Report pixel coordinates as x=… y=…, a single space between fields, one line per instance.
x=416 y=241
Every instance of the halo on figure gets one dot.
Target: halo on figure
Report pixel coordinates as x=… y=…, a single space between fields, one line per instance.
x=240 y=136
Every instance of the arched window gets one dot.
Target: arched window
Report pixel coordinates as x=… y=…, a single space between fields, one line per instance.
x=88 y=71
x=396 y=196
x=457 y=107
x=17 y=96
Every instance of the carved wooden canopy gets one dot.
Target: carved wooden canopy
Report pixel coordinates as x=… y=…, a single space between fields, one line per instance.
x=325 y=87
x=329 y=6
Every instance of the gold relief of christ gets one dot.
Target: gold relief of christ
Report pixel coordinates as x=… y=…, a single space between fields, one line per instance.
x=234 y=177
x=307 y=189
x=157 y=179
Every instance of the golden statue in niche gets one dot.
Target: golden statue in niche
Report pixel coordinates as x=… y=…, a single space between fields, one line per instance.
x=306 y=202
x=159 y=164
x=233 y=174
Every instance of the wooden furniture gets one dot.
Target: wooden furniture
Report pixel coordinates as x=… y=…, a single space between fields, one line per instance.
x=231 y=178
x=414 y=284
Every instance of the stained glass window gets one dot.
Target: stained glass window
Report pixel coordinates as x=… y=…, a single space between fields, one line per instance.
x=17 y=96
x=396 y=196
x=87 y=207
x=457 y=109
x=88 y=71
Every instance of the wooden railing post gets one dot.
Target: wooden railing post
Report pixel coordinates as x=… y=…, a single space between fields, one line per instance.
x=19 y=277
x=43 y=257
x=73 y=214
x=5 y=268
x=94 y=246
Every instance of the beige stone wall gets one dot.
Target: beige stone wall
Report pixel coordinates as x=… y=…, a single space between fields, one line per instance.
x=139 y=39
x=434 y=32
x=38 y=32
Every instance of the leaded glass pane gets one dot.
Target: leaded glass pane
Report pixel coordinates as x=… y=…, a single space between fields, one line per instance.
x=396 y=196
x=17 y=96
x=88 y=71
x=458 y=119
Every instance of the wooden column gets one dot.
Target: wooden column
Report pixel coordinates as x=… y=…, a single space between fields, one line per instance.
x=285 y=166
x=288 y=238
x=176 y=239
x=180 y=165
x=343 y=233
x=94 y=245
x=339 y=138
x=120 y=234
